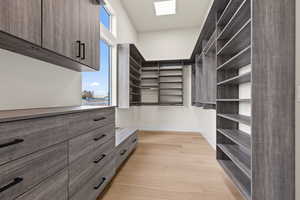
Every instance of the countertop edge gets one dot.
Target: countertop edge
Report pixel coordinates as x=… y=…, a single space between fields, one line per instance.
x=23 y=114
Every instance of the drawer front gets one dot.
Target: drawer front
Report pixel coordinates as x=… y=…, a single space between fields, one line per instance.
x=55 y=188
x=125 y=149
x=19 y=176
x=84 y=168
x=84 y=122
x=85 y=143
x=21 y=138
x=92 y=189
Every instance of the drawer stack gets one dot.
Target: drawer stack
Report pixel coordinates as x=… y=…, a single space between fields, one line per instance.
x=126 y=142
x=62 y=156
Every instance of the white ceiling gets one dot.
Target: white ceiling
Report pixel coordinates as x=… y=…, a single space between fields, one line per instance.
x=190 y=13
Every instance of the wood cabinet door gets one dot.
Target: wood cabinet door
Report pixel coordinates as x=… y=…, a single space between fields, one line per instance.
x=22 y=19
x=90 y=33
x=61 y=27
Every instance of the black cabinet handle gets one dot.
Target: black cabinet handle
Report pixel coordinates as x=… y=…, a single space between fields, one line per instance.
x=99 y=159
x=101 y=183
x=14 y=142
x=99 y=119
x=123 y=152
x=134 y=141
x=100 y=137
x=83 y=51
x=11 y=184
x=79 y=49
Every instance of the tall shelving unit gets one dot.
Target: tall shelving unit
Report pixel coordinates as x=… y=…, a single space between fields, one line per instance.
x=254 y=46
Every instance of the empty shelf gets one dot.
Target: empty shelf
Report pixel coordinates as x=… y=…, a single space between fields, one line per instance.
x=239 y=137
x=239 y=60
x=243 y=78
x=234 y=100
x=134 y=85
x=228 y=12
x=153 y=77
x=239 y=179
x=237 y=118
x=171 y=81
x=172 y=95
x=171 y=88
x=170 y=76
x=149 y=103
x=170 y=69
x=135 y=62
x=134 y=77
x=134 y=69
x=240 y=40
x=242 y=14
x=145 y=69
x=171 y=103
x=240 y=158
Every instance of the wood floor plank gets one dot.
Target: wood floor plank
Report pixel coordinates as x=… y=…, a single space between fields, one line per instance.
x=171 y=166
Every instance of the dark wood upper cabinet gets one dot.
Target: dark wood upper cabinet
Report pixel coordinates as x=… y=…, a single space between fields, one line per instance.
x=22 y=19
x=90 y=33
x=61 y=27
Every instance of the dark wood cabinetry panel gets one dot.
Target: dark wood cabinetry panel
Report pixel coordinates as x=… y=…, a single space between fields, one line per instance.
x=90 y=33
x=22 y=19
x=61 y=27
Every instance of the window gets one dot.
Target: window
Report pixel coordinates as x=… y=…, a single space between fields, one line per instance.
x=96 y=86
x=105 y=17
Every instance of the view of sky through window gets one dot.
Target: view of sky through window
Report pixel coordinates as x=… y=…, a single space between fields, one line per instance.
x=95 y=85
x=104 y=17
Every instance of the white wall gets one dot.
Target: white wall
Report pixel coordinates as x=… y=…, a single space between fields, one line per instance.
x=29 y=83
x=298 y=100
x=171 y=44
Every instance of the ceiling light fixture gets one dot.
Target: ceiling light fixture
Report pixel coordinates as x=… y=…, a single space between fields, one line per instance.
x=165 y=7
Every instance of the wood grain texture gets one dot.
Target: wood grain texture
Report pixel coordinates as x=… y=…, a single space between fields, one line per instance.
x=171 y=166
x=273 y=94
x=22 y=19
x=83 y=169
x=55 y=187
x=61 y=27
x=90 y=32
x=33 y=169
x=36 y=134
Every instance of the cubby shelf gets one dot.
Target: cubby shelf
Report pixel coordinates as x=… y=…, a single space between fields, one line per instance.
x=238 y=178
x=243 y=78
x=229 y=10
x=170 y=89
x=241 y=159
x=234 y=100
x=239 y=60
x=135 y=62
x=239 y=137
x=237 y=118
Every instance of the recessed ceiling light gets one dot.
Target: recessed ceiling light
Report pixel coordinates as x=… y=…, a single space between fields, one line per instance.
x=165 y=7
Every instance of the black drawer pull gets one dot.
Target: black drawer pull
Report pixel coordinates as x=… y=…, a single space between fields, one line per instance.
x=99 y=119
x=13 y=183
x=16 y=141
x=83 y=51
x=100 y=137
x=123 y=152
x=99 y=159
x=100 y=184
x=79 y=49
x=134 y=141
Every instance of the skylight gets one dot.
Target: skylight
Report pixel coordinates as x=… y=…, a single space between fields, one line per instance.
x=165 y=7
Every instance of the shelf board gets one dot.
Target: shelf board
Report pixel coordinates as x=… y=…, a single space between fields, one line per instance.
x=171 y=103
x=150 y=69
x=170 y=76
x=242 y=13
x=135 y=62
x=228 y=12
x=134 y=85
x=238 y=41
x=239 y=60
x=134 y=69
x=134 y=77
x=234 y=100
x=170 y=69
x=243 y=78
x=240 y=158
x=237 y=118
x=211 y=42
x=239 y=137
x=171 y=81
x=238 y=178
x=171 y=88
x=149 y=103
x=172 y=95
x=147 y=78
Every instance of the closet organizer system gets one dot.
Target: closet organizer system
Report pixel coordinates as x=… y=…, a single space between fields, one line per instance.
x=142 y=82
x=244 y=66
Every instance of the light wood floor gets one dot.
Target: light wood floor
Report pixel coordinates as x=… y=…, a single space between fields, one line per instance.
x=172 y=166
